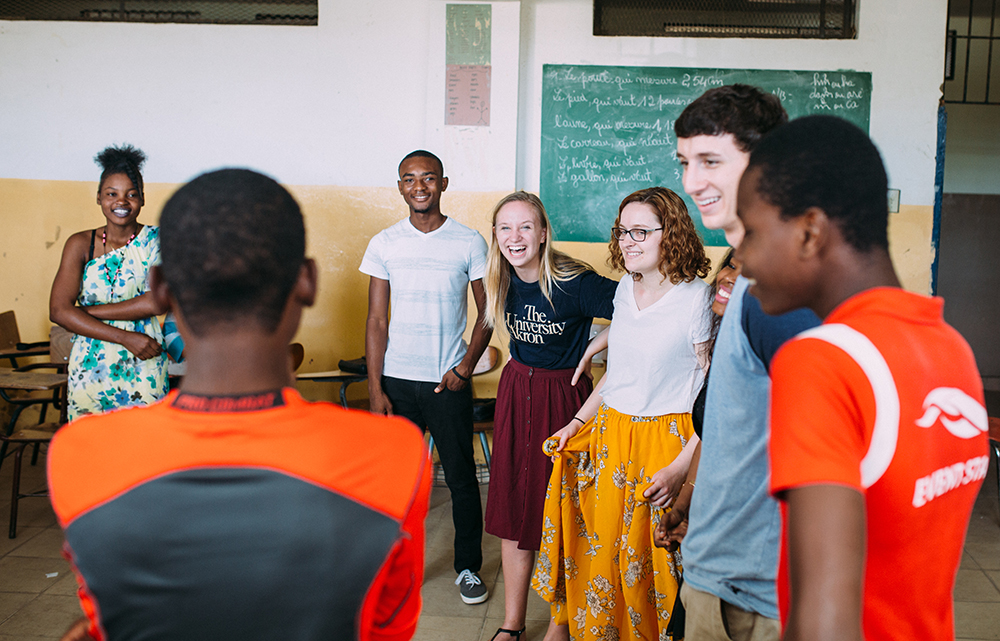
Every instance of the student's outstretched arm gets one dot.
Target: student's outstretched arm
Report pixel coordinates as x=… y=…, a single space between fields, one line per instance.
x=477 y=344
x=826 y=560
x=63 y=310
x=376 y=340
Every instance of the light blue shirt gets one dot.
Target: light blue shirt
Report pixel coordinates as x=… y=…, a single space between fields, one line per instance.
x=734 y=526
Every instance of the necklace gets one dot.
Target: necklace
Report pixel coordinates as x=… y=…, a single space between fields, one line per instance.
x=118 y=268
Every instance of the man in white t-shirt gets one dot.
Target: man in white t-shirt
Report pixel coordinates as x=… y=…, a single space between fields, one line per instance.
x=419 y=366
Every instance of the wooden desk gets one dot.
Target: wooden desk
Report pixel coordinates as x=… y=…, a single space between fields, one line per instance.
x=12 y=353
x=28 y=381
x=334 y=376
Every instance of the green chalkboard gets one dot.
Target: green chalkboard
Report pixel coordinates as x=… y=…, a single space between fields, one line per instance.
x=608 y=131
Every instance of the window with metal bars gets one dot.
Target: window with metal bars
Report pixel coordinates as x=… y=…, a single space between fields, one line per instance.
x=263 y=12
x=727 y=18
x=972 y=53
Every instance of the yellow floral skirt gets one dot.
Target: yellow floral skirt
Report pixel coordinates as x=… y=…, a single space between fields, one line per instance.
x=597 y=565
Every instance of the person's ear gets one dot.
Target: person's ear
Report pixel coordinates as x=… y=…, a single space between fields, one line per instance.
x=159 y=289
x=814 y=231
x=307 y=283
x=444 y=183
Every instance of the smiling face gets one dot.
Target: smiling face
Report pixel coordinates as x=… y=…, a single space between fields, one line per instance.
x=713 y=166
x=774 y=252
x=119 y=200
x=724 y=282
x=421 y=184
x=520 y=234
x=641 y=257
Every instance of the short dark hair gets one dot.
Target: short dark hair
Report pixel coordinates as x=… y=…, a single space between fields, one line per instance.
x=826 y=162
x=124 y=159
x=232 y=244
x=421 y=153
x=744 y=111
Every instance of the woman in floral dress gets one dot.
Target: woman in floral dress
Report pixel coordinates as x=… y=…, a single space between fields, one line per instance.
x=624 y=456
x=99 y=294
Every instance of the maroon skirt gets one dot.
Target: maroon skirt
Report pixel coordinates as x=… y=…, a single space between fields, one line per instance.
x=532 y=403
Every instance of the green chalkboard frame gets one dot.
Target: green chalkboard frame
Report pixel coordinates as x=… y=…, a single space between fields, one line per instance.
x=608 y=131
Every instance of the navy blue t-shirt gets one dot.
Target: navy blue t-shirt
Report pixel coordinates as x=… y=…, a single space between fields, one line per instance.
x=541 y=336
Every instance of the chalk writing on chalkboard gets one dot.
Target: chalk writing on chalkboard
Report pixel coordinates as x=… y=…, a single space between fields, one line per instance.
x=609 y=131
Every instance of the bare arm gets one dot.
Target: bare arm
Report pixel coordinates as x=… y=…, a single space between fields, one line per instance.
x=585 y=413
x=376 y=340
x=79 y=631
x=704 y=356
x=64 y=312
x=666 y=483
x=673 y=526
x=477 y=344
x=598 y=344
x=142 y=306
x=826 y=557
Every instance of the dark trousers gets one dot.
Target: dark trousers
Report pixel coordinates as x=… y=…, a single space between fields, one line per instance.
x=448 y=416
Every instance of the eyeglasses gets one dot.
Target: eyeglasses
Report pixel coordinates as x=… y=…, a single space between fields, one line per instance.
x=638 y=235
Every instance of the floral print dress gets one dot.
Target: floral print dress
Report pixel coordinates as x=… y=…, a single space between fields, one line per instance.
x=105 y=376
x=598 y=567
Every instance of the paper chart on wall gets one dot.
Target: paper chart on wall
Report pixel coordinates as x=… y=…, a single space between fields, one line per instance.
x=468 y=36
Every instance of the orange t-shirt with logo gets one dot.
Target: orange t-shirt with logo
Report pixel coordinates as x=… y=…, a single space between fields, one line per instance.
x=885 y=398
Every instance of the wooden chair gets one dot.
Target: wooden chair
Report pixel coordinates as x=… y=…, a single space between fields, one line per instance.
x=59 y=345
x=11 y=346
x=37 y=435
x=487 y=363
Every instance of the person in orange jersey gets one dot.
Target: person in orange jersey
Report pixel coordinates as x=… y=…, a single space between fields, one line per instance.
x=878 y=430
x=235 y=509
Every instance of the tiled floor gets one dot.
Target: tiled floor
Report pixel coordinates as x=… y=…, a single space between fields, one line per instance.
x=37 y=598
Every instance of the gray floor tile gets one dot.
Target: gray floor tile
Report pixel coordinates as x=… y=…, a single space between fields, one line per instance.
x=28 y=574
x=986 y=553
x=46 y=544
x=65 y=585
x=975 y=585
x=24 y=534
x=32 y=512
x=977 y=620
x=45 y=616
x=11 y=602
x=533 y=629
x=438 y=628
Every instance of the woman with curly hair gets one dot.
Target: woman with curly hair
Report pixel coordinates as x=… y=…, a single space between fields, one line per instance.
x=100 y=294
x=624 y=456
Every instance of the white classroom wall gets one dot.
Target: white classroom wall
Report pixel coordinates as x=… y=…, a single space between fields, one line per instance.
x=339 y=104
x=901 y=45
